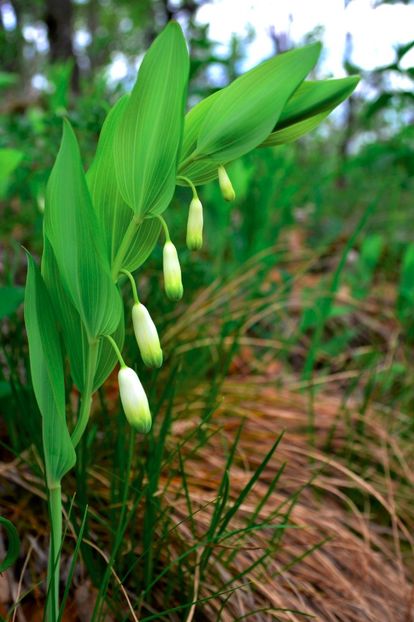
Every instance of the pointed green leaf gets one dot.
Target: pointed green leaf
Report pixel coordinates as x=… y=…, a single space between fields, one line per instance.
x=46 y=366
x=69 y=320
x=148 y=139
x=114 y=214
x=315 y=97
x=73 y=331
x=199 y=171
x=192 y=123
x=248 y=109
x=77 y=239
x=112 y=211
x=308 y=106
x=143 y=244
x=294 y=131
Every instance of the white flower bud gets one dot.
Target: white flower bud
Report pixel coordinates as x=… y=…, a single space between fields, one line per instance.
x=147 y=336
x=195 y=225
x=172 y=272
x=134 y=400
x=226 y=188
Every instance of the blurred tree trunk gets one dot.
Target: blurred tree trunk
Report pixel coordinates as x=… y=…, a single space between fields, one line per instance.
x=281 y=40
x=59 y=22
x=11 y=43
x=167 y=10
x=349 y=116
x=93 y=22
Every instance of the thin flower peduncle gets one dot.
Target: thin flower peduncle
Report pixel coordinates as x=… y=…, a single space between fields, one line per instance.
x=116 y=350
x=165 y=227
x=189 y=183
x=133 y=284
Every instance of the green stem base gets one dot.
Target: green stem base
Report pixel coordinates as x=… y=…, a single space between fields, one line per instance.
x=53 y=573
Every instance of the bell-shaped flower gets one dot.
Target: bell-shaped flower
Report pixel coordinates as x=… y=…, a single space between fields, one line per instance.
x=134 y=400
x=195 y=225
x=147 y=336
x=226 y=187
x=172 y=272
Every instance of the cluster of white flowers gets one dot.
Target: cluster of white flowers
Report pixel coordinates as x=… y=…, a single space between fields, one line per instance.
x=133 y=396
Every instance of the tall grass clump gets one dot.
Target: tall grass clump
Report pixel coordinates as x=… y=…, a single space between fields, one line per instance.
x=100 y=227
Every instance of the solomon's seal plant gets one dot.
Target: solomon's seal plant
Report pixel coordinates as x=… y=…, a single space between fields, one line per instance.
x=101 y=226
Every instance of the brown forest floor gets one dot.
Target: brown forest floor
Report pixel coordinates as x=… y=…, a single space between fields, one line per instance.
x=352 y=477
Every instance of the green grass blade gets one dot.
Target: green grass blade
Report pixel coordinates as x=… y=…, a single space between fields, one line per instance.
x=72 y=566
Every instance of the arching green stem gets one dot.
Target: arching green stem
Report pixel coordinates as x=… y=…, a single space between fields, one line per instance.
x=86 y=397
x=133 y=285
x=189 y=183
x=165 y=227
x=116 y=350
x=53 y=571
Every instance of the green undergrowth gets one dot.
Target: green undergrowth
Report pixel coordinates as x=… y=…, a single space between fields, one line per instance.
x=120 y=524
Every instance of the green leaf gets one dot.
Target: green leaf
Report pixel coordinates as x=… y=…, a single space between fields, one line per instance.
x=10 y=300
x=114 y=214
x=148 y=139
x=46 y=365
x=9 y=160
x=13 y=541
x=199 y=171
x=69 y=320
x=74 y=232
x=311 y=103
x=248 y=109
x=143 y=244
x=192 y=123
x=73 y=331
x=204 y=170
x=295 y=131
